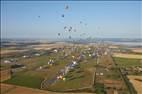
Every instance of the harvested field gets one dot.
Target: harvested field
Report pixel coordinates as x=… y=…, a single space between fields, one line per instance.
x=118 y=84
x=137 y=50
x=5 y=88
x=136 y=83
x=5 y=75
x=47 y=46
x=113 y=83
x=123 y=55
x=113 y=46
x=3 y=52
x=13 y=89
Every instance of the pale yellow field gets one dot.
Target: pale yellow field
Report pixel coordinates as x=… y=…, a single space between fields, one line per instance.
x=137 y=84
x=47 y=46
x=10 y=51
x=113 y=46
x=124 y=55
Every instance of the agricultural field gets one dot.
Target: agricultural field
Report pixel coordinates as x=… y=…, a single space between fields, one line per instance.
x=129 y=66
x=127 y=62
x=14 y=89
x=137 y=82
x=35 y=70
x=128 y=55
x=82 y=73
x=5 y=75
x=108 y=77
x=136 y=50
x=32 y=74
x=76 y=68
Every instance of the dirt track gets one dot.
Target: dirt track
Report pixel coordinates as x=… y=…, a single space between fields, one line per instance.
x=12 y=89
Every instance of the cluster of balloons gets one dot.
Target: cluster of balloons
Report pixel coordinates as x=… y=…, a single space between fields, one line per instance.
x=70 y=28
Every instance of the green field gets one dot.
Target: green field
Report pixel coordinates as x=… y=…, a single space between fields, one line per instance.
x=99 y=88
x=31 y=77
x=127 y=62
x=25 y=80
x=81 y=76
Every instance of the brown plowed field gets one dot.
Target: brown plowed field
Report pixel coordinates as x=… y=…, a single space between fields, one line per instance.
x=13 y=89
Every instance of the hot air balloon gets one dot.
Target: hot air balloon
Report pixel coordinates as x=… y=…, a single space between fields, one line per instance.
x=69 y=37
x=65 y=27
x=59 y=34
x=63 y=15
x=66 y=7
x=74 y=30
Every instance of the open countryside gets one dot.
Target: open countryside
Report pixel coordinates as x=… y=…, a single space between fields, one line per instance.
x=71 y=47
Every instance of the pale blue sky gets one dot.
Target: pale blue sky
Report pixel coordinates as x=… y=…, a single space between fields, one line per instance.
x=105 y=19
